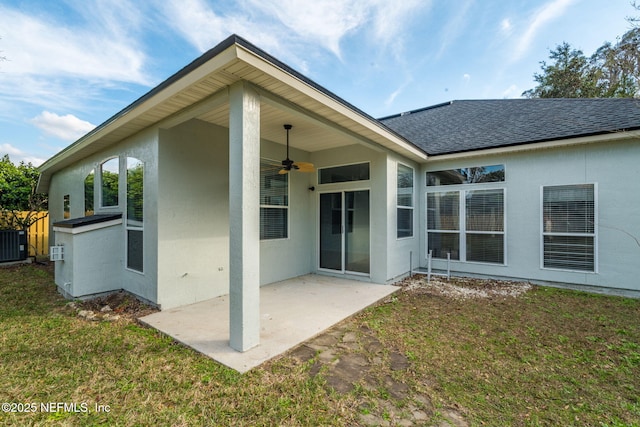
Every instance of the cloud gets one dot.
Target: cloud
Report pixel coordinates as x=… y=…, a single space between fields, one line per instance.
x=544 y=15
x=277 y=25
x=466 y=77
x=323 y=21
x=88 y=51
x=506 y=26
x=454 y=27
x=203 y=27
x=511 y=92
x=68 y=127
x=16 y=155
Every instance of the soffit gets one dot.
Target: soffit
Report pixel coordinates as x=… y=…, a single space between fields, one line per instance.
x=333 y=124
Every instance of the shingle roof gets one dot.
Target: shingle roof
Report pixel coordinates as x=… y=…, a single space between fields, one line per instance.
x=461 y=126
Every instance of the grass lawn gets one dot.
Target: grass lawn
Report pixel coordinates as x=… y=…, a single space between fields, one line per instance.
x=547 y=357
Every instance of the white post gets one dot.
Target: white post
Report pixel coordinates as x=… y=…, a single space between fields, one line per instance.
x=244 y=217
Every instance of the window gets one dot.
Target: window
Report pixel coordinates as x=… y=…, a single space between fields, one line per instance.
x=67 y=206
x=109 y=172
x=484 y=224
x=467 y=224
x=473 y=175
x=274 y=201
x=135 y=214
x=568 y=227
x=443 y=224
x=357 y=172
x=405 y=201
x=88 y=194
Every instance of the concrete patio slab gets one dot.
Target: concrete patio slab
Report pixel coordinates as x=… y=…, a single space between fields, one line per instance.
x=291 y=312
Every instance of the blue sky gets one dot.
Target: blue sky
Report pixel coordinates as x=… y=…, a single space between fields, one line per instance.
x=72 y=64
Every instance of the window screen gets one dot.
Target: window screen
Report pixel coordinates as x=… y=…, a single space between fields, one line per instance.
x=404 y=201
x=484 y=225
x=468 y=225
x=135 y=214
x=568 y=224
x=274 y=201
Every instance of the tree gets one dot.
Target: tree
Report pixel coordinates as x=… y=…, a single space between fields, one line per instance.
x=617 y=67
x=613 y=71
x=18 y=194
x=570 y=76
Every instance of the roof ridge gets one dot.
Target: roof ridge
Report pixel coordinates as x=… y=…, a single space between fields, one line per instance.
x=406 y=113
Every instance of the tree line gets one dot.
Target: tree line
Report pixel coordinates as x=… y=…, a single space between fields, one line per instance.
x=612 y=71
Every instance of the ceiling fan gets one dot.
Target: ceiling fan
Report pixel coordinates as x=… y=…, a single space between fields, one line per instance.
x=289 y=165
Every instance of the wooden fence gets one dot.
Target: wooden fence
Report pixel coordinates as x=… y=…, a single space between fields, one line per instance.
x=38 y=233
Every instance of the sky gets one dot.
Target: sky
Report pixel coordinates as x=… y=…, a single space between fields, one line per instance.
x=69 y=65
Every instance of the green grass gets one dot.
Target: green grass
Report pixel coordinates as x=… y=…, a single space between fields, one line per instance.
x=549 y=357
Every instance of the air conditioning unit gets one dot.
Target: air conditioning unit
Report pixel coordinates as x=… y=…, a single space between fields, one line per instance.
x=56 y=253
x=13 y=245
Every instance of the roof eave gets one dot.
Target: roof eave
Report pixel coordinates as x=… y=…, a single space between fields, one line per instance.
x=543 y=144
x=234 y=48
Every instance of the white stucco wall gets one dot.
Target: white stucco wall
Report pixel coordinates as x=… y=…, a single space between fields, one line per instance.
x=90 y=260
x=193 y=213
x=285 y=258
x=402 y=253
x=70 y=181
x=611 y=165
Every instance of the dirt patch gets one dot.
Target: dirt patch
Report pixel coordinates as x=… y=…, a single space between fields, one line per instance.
x=465 y=288
x=114 y=306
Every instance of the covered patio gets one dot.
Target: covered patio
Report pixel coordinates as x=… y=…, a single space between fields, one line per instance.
x=291 y=312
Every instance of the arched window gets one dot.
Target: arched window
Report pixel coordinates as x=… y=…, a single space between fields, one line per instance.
x=109 y=172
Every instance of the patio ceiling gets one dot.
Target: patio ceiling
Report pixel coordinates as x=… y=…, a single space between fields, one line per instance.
x=200 y=90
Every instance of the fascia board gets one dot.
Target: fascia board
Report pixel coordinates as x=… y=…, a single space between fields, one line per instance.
x=406 y=148
x=534 y=146
x=139 y=107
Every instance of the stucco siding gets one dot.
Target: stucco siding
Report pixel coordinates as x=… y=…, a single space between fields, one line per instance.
x=90 y=257
x=285 y=258
x=608 y=165
x=402 y=253
x=193 y=213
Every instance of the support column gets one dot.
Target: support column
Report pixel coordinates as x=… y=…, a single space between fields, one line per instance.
x=244 y=217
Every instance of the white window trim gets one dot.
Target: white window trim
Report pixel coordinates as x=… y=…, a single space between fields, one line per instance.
x=279 y=239
x=342 y=247
x=462 y=225
x=594 y=234
x=413 y=202
x=128 y=227
x=100 y=186
x=328 y=184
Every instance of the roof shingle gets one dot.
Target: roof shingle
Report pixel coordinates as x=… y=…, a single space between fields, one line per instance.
x=469 y=125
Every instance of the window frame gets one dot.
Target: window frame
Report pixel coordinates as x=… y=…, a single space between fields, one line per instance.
x=129 y=226
x=101 y=186
x=462 y=230
x=89 y=195
x=318 y=180
x=287 y=228
x=593 y=235
x=66 y=206
x=400 y=207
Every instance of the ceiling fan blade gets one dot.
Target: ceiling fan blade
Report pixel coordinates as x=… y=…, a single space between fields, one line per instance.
x=305 y=166
x=283 y=172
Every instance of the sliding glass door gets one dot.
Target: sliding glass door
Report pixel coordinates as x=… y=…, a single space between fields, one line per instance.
x=344 y=231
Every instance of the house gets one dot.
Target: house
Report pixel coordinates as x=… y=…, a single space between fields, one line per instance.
x=181 y=196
